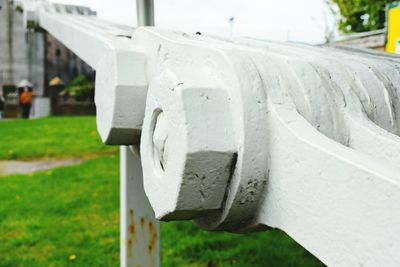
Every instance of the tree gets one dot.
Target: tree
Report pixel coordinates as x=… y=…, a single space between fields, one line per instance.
x=361 y=15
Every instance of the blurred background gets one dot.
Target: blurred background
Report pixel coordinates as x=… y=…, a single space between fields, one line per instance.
x=59 y=185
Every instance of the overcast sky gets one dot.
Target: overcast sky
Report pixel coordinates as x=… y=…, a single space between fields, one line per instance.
x=293 y=20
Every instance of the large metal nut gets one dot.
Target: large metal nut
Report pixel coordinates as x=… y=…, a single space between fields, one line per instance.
x=120 y=96
x=187 y=148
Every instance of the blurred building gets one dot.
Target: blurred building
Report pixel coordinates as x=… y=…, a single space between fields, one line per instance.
x=37 y=57
x=21 y=53
x=62 y=63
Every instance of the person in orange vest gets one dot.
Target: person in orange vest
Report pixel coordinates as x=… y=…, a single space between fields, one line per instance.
x=25 y=100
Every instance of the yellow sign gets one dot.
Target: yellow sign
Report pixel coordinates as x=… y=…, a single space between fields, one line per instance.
x=393 y=44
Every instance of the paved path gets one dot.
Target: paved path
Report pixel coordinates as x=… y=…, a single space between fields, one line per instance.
x=24 y=167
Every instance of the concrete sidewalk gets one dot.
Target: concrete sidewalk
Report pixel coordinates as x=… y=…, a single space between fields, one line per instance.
x=24 y=167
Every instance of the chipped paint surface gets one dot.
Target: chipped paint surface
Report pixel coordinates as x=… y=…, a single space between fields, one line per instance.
x=152 y=245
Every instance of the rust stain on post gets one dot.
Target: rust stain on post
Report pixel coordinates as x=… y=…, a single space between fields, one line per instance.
x=142 y=222
x=130 y=247
x=132 y=232
x=153 y=238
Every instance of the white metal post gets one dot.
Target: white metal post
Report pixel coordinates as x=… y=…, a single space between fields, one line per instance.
x=140 y=231
x=145 y=12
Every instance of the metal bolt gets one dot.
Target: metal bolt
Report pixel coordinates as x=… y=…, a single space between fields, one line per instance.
x=187 y=148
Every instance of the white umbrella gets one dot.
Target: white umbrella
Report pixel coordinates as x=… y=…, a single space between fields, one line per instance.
x=24 y=83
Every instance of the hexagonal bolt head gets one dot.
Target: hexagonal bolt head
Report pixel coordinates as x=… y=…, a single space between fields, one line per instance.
x=187 y=149
x=120 y=96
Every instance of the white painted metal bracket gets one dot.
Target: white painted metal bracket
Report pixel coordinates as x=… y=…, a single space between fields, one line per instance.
x=243 y=135
x=306 y=139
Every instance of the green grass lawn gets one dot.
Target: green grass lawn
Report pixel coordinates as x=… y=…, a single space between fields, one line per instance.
x=69 y=216
x=183 y=244
x=49 y=216
x=51 y=137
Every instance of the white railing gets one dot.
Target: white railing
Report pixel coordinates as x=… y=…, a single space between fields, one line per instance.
x=242 y=135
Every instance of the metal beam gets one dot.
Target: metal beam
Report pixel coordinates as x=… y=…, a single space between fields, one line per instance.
x=243 y=135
